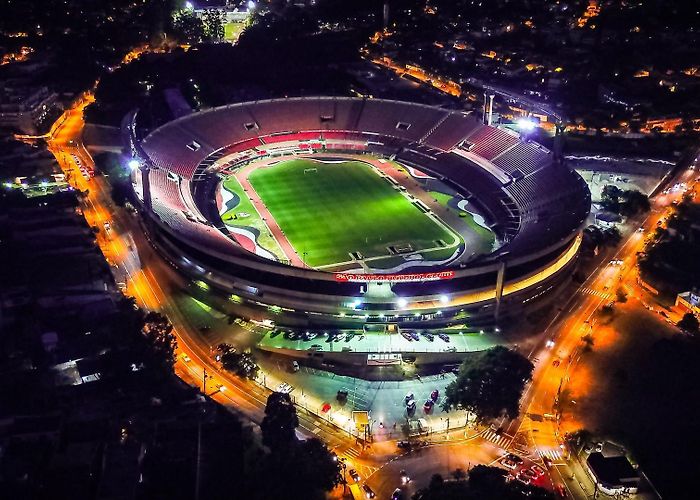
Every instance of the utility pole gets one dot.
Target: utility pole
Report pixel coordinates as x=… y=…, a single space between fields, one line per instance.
x=204 y=382
x=199 y=458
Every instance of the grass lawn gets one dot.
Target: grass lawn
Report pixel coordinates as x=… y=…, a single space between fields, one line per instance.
x=253 y=220
x=233 y=30
x=340 y=208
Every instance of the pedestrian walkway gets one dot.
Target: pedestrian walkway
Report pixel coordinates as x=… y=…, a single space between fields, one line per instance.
x=597 y=293
x=552 y=454
x=502 y=441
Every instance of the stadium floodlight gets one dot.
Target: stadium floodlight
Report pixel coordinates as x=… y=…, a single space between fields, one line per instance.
x=251 y=5
x=356 y=304
x=189 y=6
x=444 y=299
x=402 y=302
x=526 y=125
x=133 y=164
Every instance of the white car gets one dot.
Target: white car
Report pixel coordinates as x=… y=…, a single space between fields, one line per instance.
x=284 y=388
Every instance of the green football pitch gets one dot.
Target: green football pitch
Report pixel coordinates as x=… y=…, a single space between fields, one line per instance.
x=328 y=210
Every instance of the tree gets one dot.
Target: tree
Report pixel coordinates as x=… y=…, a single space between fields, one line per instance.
x=318 y=468
x=159 y=335
x=587 y=342
x=280 y=422
x=213 y=21
x=484 y=483
x=610 y=198
x=689 y=323
x=611 y=236
x=490 y=384
x=187 y=26
x=629 y=202
x=242 y=364
x=634 y=203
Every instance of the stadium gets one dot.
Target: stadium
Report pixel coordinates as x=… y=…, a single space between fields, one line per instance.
x=348 y=211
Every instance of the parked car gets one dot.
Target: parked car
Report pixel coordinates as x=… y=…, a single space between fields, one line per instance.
x=507 y=462
x=428 y=336
x=368 y=491
x=414 y=335
x=397 y=494
x=428 y=406
x=444 y=336
x=405 y=478
x=285 y=388
x=354 y=475
x=403 y=445
x=411 y=407
x=316 y=347
x=407 y=336
x=435 y=395
x=408 y=397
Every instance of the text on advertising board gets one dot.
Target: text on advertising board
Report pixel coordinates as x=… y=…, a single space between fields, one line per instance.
x=364 y=278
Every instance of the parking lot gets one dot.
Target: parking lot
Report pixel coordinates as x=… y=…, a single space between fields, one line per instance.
x=358 y=341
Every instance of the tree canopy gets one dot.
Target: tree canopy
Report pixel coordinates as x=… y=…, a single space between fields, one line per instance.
x=160 y=337
x=302 y=469
x=242 y=364
x=483 y=483
x=628 y=202
x=280 y=422
x=490 y=384
x=689 y=323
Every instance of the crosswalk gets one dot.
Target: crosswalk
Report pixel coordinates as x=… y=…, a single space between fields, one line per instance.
x=597 y=293
x=553 y=454
x=501 y=441
x=352 y=452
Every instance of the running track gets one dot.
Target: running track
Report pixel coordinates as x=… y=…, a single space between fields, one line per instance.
x=287 y=248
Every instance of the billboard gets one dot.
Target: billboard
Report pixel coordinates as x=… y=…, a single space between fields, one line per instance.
x=394 y=278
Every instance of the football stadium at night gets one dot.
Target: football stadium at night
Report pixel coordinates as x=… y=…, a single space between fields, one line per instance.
x=348 y=211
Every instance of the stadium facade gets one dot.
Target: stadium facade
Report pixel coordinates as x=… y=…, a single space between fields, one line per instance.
x=535 y=206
